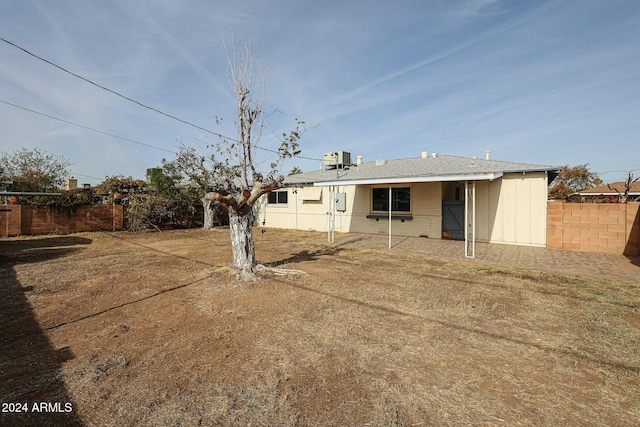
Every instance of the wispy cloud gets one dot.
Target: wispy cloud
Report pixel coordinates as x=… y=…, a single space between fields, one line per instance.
x=524 y=79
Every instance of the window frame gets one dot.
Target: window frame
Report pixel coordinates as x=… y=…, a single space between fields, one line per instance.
x=395 y=203
x=278 y=197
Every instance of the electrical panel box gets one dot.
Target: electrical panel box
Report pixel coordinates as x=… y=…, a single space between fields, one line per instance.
x=341 y=202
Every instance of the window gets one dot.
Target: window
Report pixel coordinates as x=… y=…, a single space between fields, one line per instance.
x=278 y=197
x=400 y=199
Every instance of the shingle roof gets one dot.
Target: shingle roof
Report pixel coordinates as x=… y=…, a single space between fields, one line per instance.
x=613 y=188
x=441 y=166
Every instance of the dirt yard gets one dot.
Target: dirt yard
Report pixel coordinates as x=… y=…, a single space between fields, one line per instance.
x=120 y=329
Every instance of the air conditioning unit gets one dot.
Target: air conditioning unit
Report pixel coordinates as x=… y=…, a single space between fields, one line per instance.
x=337 y=159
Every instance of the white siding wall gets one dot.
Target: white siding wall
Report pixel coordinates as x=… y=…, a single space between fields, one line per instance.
x=513 y=209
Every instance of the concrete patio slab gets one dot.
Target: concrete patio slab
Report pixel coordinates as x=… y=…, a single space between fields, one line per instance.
x=568 y=262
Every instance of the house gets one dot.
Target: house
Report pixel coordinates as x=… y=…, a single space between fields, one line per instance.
x=608 y=193
x=434 y=196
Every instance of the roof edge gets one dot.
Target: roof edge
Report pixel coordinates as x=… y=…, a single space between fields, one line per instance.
x=406 y=180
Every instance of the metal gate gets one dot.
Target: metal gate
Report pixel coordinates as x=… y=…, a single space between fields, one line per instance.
x=453 y=219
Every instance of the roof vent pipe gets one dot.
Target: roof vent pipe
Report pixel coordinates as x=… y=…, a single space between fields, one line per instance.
x=359 y=160
x=487 y=155
x=434 y=155
x=425 y=154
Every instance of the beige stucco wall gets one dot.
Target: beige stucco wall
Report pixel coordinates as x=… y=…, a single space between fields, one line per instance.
x=426 y=212
x=312 y=215
x=511 y=209
x=297 y=214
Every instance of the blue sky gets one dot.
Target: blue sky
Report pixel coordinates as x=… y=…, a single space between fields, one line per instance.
x=549 y=82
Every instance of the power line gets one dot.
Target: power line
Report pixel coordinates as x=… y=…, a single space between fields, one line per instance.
x=622 y=178
x=86 y=176
x=135 y=102
x=86 y=127
x=113 y=135
x=113 y=91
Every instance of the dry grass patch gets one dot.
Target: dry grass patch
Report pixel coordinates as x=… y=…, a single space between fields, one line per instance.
x=156 y=333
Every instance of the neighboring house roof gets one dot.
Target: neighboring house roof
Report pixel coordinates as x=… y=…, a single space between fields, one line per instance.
x=430 y=169
x=613 y=189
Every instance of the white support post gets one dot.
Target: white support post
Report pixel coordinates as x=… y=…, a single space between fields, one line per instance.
x=333 y=215
x=470 y=219
x=390 y=217
x=330 y=213
x=473 y=219
x=329 y=216
x=466 y=218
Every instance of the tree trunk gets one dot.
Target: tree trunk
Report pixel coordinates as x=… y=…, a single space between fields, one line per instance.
x=244 y=251
x=209 y=214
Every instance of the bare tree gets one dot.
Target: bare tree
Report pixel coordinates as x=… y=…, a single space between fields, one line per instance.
x=199 y=169
x=628 y=184
x=235 y=179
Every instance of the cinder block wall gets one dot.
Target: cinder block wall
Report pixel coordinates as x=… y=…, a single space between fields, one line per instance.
x=30 y=220
x=594 y=227
x=10 y=220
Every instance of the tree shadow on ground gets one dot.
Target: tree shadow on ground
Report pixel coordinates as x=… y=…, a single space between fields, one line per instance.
x=30 y=367
x=349 y=239
x=306 y=255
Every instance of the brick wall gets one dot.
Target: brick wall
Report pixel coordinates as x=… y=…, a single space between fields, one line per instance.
x=10 y=220
x=593 y=227
x=30 y=220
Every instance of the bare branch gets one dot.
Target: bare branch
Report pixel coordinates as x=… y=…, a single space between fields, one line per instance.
x=235 y=178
